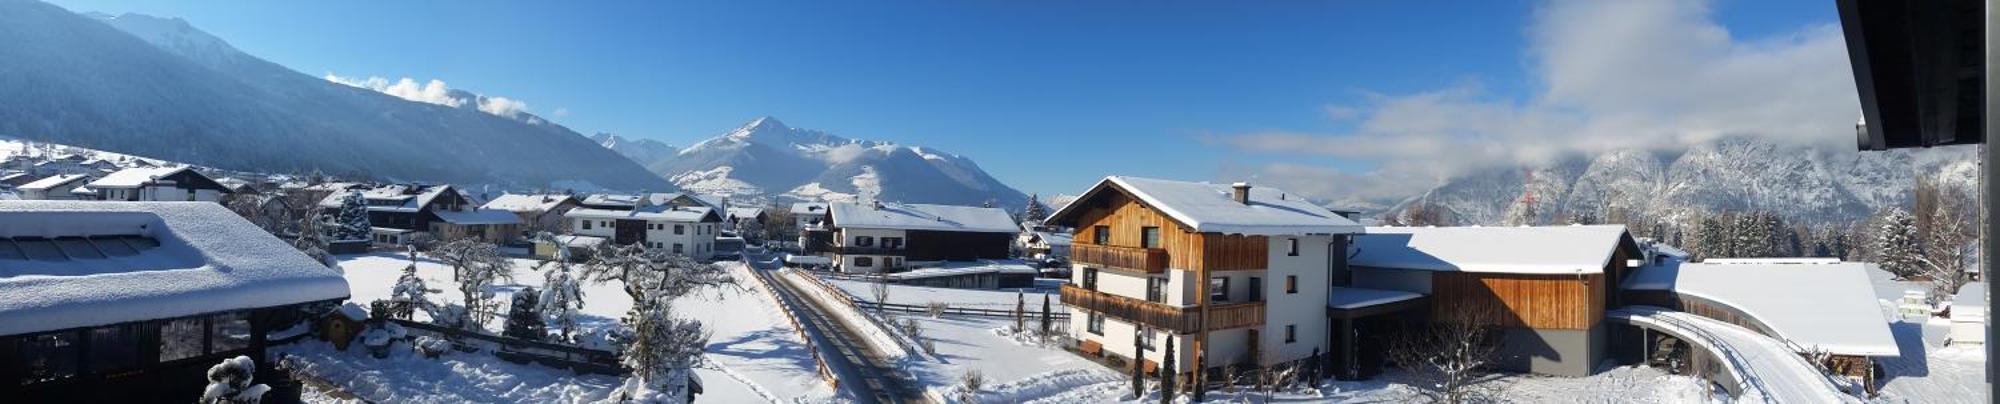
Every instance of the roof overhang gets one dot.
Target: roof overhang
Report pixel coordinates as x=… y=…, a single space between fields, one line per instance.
x=1919 y=67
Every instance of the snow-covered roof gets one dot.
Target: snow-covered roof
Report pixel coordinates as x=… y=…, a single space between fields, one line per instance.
x=407 y=198
x=650 y=213
x=658 y=198
x=1345 y=298
x=53 y=181
x=1055 y=238
x=744 y=212
x=1812 y=303
x=477 y=216
x=917 y=216
x=527 y=202
x=1969 y=303
x=808 y=259
x=575 y=241
x=134 y=177
x=1212 y=208
x=1520 y=250
x=957 y=268
x=68 y=264
x=809 y=208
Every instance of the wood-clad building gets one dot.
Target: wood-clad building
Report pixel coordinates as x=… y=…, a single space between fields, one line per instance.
x=891 y=237
x=1237 y=275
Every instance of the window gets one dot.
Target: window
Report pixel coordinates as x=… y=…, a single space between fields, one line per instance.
x=1156 y=290
x=1218 y=289
x=679 y=229
x=1090 y=278
x=182 y=339
x=113 y=348
x=1100 y=235
x=864 y=262
x=47 y=357
x=892 y=262
x=1291 y=284
x=864 y=241
x=1094 y=324
x=1256 y=289
x=228 y=332
x=1149 y=237
x=1291 y=333
x=1292 y=247
x=1146 y=340
x=677 y=248
x=892 y=242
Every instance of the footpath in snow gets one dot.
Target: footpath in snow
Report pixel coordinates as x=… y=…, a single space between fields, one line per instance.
x=1768 y=369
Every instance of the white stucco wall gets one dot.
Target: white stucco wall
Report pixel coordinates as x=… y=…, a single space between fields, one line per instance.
x=1304 y=310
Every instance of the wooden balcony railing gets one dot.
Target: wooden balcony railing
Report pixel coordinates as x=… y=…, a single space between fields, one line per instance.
x=1180 y=320
x=1148 y=260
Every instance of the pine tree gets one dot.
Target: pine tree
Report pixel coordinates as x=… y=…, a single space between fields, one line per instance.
x=229 y=382
x=1138 y=364
x=410 y=294
x=1167 y=373
x=1034 y=212
x=1896 y=243
x=1020 y=312
x=350 y=221
x=523 y=321
x=1045 y=314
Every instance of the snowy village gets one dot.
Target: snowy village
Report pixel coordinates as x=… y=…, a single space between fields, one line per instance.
x=186 y=216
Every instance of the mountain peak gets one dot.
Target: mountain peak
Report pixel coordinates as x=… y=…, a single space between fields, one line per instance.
x=761 y=125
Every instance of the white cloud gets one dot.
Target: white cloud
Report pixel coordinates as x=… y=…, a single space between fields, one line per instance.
x=1608 y=75
x=436 y=92
x=562 y=112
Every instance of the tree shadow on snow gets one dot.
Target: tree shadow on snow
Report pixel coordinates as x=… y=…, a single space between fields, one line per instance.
x=1913 y=356
x=785 y=348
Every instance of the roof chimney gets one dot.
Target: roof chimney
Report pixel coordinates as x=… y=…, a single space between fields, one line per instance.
x=1242 y=192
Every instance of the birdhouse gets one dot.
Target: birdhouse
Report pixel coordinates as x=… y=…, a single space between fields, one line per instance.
x=342 y=326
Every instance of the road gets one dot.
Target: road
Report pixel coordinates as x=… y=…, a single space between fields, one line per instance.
x=871 y=376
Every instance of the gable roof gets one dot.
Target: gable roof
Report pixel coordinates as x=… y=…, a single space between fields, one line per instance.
x=1212 y=208
x=649 y=213
x=528 y=202
x=1520 y=250
x=745 y=212
x=917 y=216
x=54 y=181
x=809 y=208
x=97 y=263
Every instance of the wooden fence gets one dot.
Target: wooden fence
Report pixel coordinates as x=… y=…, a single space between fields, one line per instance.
x=582 y=360
x=1031 y=312
x=819 y=363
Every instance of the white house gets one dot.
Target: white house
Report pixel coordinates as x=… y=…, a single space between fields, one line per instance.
x=808 y=214
x=1236 y=272
x=683 y=230
x=163 y=184
x=55 y=187
x=877 y=237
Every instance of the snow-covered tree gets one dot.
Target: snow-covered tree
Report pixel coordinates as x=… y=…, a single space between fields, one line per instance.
x=475 y=265
x=229 y=382
x=1949 y=234
x=562 y=298
x=311 y=240
x=751 y=230
x=1896 y=243
x=1451 y=355
x=1034 y=212
x=662 y=351
x=523 y=320
x=349 y=222
x=410 y=294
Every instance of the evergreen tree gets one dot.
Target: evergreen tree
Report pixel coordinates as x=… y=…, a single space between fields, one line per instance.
x=1045 y=314
x=410 y=294
x=1896 y=243
x=350 y=221
x=229 y=382
x=523 y=321
x=562 y=297
x=1138 y=364
x=1167 y=373
x=1712 y=238
x=1034 y=212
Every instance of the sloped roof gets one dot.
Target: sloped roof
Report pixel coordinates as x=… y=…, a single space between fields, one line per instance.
x=477 y=216
x=53 y=181
x=809 y=208
x=917 y=216
x=135 y=177
x=181 y=258
x=1522 y=250
x=1212 y=208
x=1829 y=304
x=527 y=202
x=650 y=213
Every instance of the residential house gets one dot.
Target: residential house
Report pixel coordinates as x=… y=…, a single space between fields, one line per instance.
x=1236 y=274
x=55 y=187
x=163 y=184
x=11 y=180
x=399 y=213
x=134 y=301
x=686 y=230
x=629 y=202
x=809 y=214
x=536 y=211
x=888 y=237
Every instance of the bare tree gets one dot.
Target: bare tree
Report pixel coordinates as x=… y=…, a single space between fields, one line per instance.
x=972 y=381
x=881 y=291
x=475 y=265
x=1451 y=354
x=1947 y=230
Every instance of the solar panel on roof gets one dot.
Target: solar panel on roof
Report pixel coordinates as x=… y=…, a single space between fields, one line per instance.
x=41 y=249
x=113 y=247
x=77 y=248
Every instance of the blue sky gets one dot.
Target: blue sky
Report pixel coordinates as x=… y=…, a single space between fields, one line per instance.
x=1047 y=96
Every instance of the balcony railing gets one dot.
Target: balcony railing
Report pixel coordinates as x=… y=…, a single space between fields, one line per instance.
x=1156 y=315
x=852 y=250
x=1148 y=260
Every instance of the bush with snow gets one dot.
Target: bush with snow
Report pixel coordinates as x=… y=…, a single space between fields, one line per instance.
x=229 y=382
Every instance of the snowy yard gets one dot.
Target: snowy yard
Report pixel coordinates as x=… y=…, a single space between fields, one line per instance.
x=1928 y=371
x=754 y=355
x=1618 y=385
x=998 y=299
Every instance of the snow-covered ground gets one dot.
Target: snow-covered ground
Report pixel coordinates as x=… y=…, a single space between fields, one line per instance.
x=973 y=298
x=1928 y=371
x=754 y=355
x=456 y=377
x=1618 y=385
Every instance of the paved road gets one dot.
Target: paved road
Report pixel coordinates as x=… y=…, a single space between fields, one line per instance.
x=869 y=374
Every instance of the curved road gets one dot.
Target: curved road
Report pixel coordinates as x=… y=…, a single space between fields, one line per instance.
x=869 y=374
x=1766 y=366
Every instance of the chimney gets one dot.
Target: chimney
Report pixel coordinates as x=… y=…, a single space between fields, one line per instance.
x=1242 y=192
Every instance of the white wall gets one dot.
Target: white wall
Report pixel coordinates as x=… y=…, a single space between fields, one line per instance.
x=1305 y=310
x=1117 y=283
x=696 y=239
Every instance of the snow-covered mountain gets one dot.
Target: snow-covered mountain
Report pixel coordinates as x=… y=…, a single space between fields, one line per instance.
x=638 y=149
x=1801 y=183
x=767 y=161
x=160 y=88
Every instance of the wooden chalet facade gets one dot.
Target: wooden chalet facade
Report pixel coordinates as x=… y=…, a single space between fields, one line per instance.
x=889 y=237
x=64 y=338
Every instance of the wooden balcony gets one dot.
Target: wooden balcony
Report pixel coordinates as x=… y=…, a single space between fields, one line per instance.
x=1180 y=320
x=1147 y=260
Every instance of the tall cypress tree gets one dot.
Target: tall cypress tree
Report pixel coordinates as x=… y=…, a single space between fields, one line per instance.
x=1167 y=373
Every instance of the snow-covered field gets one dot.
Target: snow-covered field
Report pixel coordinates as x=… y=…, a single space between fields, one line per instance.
x=1928 y=371
x=974 y=298
x=754 y=354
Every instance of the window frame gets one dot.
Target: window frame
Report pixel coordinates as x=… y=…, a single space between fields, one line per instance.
x=680 y=229
x=1149 y=237
x=1218 y=293
x=1156 y=289
x=1291 y=284
x=1093 y=322
x=1256 y=289
x=1100 y=235
x=864 y=241
x=864 y=262
x=1291 y=333
x=1293 y=249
